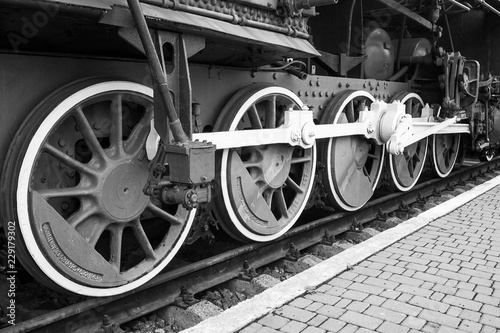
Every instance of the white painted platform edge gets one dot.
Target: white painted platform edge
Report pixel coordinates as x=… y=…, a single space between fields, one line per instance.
x=248 y=311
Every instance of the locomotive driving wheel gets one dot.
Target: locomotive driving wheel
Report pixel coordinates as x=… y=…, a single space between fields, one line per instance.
x=263 y=189
x=407 y=167
x=445 y=150
x=75 y=187
x=353 y=164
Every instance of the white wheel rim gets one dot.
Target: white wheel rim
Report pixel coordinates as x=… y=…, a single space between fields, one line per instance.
x=22 y=194
x=224 y=162
x=338 y=199
x=391 y=160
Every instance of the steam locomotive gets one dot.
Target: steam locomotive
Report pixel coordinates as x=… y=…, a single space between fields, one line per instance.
x=127 y=125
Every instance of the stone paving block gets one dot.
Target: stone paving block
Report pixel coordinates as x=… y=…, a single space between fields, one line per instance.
x=374 y=299
x=336 y=291
x=446 y=329
x=343 y=303
x=490 y=321
x=466 y=286
x=267 y=330
x=405 y=280
x=324 y=298
x=349 y=328
x=477 y=273
x=293 y=327
x=357 y=306
x=392 y=294
x=480 y=281
x=312 y=329
x=317 y=320
x=414 y=290
x=333 y=325
x=469 y=326
x=470 y=315
x=388 y=285
x=388 y=327
x=491 y=310
x=254 y=327
x=373 y=290
x=462 y=302
x=294 y=313
x=355 y=295
x=366 y=271
x=338 y=282
x=301 y=302
x=331 y=311
x=402 y=307
x=385 y=314
x=488 y=329
x=464 y=293
x=361 y=320
x=439 y=318
x=414 y=322
x=313 y=306
x=429 y=277
x=273 y=321
x=429 y=304
x=487 y=299
x=452 y=275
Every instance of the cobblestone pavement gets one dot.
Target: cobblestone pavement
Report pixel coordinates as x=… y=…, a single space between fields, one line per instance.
x=443 y=278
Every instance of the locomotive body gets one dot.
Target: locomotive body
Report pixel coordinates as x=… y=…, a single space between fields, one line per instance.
x=118 y=142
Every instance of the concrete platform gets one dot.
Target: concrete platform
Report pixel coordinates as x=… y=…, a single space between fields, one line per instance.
x=438 y=272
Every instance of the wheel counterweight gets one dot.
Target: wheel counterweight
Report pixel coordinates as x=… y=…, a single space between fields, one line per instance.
x=263 y=189
x=406 y=168
x=76 y=190
x=353 y=164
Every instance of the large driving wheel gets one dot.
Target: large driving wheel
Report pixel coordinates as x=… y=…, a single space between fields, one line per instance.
x=445 y=150
x=74 y=183
x=353 y=164
x=407 y=167
x=263 y=189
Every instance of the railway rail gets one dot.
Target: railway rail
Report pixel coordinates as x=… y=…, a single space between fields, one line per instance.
x=87 y=316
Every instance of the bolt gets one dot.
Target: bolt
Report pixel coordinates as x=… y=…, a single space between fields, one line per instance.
x=347 y=85
x=97 y=126
x=204 y=178
x=340 y=84
x=370 y=129
x=317 y=83
x=311 y=83
x=43 y=180
x=314 y=94
x=62 y=143
x=65 y=205
x=71 y=173
x=312 y=134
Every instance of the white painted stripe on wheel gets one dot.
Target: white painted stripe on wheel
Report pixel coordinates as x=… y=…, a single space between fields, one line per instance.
x=260 y=305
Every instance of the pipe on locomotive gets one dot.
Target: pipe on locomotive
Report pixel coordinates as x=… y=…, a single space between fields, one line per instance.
x=157 y=71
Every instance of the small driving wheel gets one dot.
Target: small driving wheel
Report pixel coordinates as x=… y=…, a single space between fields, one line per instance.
x=407 y=167
x=262 y=189
x=353 y=164
x=445 y=150
x=75 y=183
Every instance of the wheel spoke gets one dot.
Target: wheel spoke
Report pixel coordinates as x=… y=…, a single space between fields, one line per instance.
x=280 y=200
x=68 y=160
x=88 y=134
x=143 y=239
x=65 y=192
x=253 y=114
x=271 y=113
x=117 y=123
x=81 y=215
x=116 y=247
x=160 y=213
x=304 y=159
x=350 y=112
x=294 y=186
x=136 y=139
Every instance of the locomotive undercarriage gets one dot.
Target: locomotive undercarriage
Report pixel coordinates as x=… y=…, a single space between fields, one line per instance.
x=104 y=197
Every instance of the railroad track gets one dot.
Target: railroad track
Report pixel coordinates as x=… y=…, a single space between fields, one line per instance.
x=87 y=316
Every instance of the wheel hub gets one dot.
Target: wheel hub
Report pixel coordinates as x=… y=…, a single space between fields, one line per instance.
x=122 y=195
